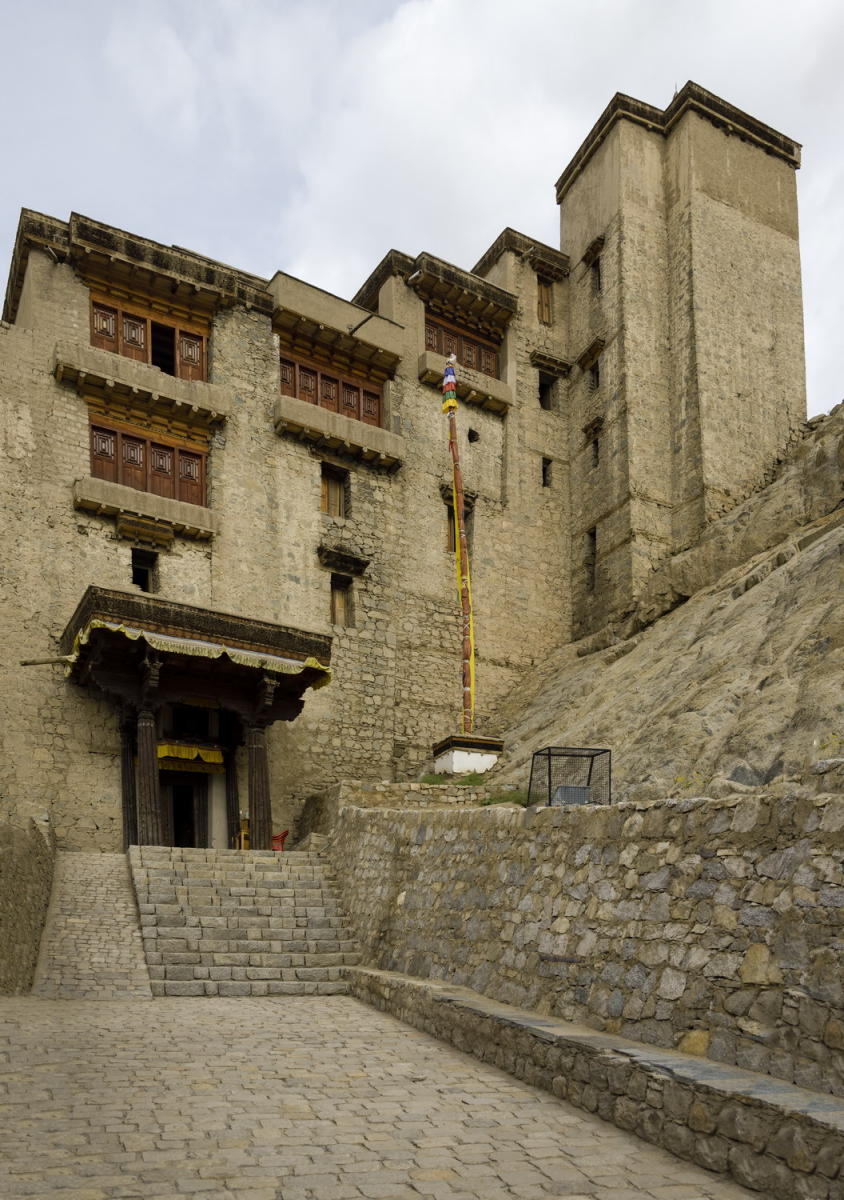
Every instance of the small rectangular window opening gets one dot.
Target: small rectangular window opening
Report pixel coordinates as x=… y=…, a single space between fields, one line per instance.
x=595 y=445
x=163 y=348
x=594 y=375
x=335 y=491
x=341 y=600
x=145 y=570
x=595 y=272
x=546 y=472
x=546 y=391
x=590 y=558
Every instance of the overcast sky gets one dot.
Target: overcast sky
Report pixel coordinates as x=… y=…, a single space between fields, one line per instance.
x=314 y=136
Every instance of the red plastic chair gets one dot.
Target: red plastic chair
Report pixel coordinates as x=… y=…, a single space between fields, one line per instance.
x=278 y=840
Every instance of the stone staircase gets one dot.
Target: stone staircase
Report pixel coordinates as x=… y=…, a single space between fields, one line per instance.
x=240 y=923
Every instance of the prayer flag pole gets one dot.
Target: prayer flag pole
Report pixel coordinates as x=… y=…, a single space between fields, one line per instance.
x=464 y=583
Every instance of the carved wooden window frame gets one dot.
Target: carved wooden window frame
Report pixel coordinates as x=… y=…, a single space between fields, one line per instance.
x=126 y=330
x=473 y=350
x=350 y=396
x=148 y=462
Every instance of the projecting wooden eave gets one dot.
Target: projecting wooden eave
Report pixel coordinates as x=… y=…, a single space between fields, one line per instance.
x=462 y=297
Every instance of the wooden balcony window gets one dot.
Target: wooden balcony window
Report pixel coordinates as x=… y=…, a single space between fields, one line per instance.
x=472 y=350
x=351 y=397
x=149 y=338
x=148 y=464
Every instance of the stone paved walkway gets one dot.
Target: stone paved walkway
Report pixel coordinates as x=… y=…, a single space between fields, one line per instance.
x=91 y=947
x=301 y=1098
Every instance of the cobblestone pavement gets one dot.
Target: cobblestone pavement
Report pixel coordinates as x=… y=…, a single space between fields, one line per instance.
x=300 y=1098
x=91 y=947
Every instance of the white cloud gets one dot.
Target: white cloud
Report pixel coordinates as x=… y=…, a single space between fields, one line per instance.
x=313 y=135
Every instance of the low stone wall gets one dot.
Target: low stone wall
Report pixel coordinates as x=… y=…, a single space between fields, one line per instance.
x=319 y=812
x=773 y=1138
x=712 y=926
x=27 y=855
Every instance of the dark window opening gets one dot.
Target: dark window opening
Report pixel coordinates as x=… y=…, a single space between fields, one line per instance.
x=473 y=435
x=189 y=723
x=596 y=451
x=595 y=273
x=546 y=391
x=163 y=347
x=590 y=558
x=335 y=491
x=594 y=375
x=145 y=570
x=546 y=472
x=341 y=601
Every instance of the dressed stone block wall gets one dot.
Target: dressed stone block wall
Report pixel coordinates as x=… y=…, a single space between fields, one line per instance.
x=712 y=926
x=319 y=812
x=27 y=855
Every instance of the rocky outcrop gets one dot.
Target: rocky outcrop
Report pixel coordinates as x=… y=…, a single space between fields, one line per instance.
x=739 y=685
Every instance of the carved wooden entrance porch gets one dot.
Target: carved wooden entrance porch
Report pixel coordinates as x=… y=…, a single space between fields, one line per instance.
x=166 y=665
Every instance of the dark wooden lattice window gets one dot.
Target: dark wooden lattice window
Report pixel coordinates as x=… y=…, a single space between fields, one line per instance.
x=472 y=349
x=349 y=396
x=148 y=464
x=150 y=338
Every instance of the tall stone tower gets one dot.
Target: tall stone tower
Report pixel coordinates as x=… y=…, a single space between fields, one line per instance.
x=686 y=330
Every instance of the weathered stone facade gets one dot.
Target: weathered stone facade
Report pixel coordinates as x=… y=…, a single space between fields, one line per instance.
x=622 y=415
x=709 y=926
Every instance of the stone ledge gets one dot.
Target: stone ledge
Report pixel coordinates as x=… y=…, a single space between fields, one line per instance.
x=472 y=386
x=115 y=499
x=333 y=431
x=136 y=384
x=770 y=1136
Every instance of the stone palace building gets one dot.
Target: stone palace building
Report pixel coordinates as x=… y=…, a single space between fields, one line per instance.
x=221 y=491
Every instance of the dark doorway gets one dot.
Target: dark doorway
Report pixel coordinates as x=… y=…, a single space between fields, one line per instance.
x=184 y=831
x=184 y=797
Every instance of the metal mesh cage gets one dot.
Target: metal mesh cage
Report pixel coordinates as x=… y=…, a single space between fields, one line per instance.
x=567 y=775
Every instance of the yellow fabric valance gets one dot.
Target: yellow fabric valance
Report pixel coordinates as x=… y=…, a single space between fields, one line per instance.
x=178 y=750
x=169 y=644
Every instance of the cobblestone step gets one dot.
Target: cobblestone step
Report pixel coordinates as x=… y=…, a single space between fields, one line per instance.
x=240 y=923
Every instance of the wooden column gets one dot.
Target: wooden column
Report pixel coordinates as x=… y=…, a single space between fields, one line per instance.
x=127 y=780
x=260 y=812
x=232 y=797
x=149 y=797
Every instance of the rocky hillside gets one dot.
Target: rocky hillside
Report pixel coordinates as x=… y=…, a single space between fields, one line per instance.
x=741 y=681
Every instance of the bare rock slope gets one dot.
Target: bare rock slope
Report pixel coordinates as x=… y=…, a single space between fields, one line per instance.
x=741 y=683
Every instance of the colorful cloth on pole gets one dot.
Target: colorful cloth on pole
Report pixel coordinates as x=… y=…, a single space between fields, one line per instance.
x=449 y=385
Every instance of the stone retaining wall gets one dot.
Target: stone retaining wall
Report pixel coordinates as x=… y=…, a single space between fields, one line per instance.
x=712 y=926
x=319 y=811
x=27 y=855
x=770 y=1137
